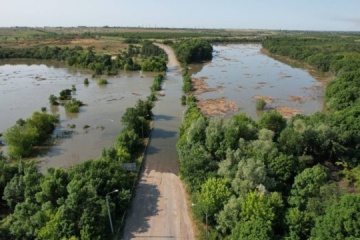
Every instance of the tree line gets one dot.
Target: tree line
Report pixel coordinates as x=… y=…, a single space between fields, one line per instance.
x=338 y=55
x=148 y=57
x=276 y=178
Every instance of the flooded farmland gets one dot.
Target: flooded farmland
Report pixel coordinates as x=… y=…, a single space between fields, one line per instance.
x=26 y=86
x=238 y=73
x=241 y=74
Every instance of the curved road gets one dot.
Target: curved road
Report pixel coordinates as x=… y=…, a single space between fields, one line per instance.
x=159 y=209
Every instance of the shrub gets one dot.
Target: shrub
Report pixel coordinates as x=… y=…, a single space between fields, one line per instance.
x=65 y=94
x=183 y=100
x=260 y=104
x=73 y=105
x=53 y=100
x=102 y=81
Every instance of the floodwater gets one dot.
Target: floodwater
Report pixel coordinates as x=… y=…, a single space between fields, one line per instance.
x=240 y=72
x=26 y=86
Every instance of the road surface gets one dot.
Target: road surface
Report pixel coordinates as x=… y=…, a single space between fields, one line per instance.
x=159 y=209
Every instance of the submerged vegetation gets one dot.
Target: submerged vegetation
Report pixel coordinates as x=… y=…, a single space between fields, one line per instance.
x=73 y=105
x=267 y=179
x=26 y=135
x=145 y=56
x=69 y=204
x=102 y=81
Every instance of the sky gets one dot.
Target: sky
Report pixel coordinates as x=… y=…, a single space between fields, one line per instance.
x=313 y=15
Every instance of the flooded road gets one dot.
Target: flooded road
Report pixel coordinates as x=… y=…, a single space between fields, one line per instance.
x=241 y=73
x=26 y=88
x=159 y=209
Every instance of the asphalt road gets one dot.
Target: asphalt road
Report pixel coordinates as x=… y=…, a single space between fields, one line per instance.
x=159 y=209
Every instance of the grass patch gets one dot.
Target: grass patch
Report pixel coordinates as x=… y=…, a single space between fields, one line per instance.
x=102 y=81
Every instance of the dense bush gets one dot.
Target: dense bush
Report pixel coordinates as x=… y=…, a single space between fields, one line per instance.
x=22 y=138
x=193 y=50
x=73 y=105
x=102 y=81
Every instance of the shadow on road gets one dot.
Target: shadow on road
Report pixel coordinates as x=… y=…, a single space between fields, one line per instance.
x=152 y=150
x=163 y=117
x=161 y=133
x=147 y=196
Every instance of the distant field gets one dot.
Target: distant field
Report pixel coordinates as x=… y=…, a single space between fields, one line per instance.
x=112 y=40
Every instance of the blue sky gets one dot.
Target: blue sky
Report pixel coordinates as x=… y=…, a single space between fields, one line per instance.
x=330 y=15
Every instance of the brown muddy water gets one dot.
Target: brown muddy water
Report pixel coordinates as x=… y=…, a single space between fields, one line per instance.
x=240 y=72
x=25 y=87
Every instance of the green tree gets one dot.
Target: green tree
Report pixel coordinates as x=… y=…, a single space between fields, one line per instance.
x=212 y=197
x=23 y=185
x=131 y=120
x=53 y=186
x=272 y=121
x=53 y=100
x=21 y=140
x=73 y=105
x=283 y=168
x=260 y=104
x=229 y=216
x=260 y=206
x=7 y=172
x=44 y=123
x=196 y=132
x=306 y=185
x=196 y=165
x=250 y=174
x=341 y=220
x=129 y=140
x=252 y=229
x=299 y=224
x=26 y=220
x=214 y=136
x=228 y=167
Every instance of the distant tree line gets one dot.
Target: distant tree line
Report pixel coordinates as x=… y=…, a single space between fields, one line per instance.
x=147 y=57
x=336 y=54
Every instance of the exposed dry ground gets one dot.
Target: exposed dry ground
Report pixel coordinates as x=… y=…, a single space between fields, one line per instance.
x=268 y=100
x=217 y=106
x=172 y=60
x=214 y=106
x=200 y=86
x=287 y=112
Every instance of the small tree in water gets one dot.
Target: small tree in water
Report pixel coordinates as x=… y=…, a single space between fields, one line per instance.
x=260 y=104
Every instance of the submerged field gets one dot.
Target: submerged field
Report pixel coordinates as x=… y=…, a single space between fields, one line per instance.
x=241 y=74
x=25 y=87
